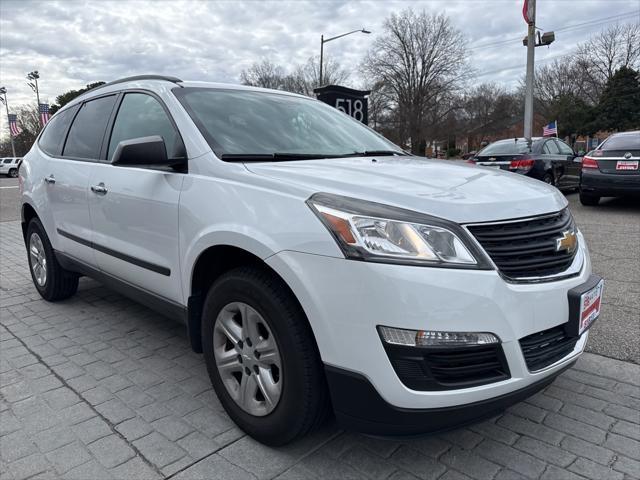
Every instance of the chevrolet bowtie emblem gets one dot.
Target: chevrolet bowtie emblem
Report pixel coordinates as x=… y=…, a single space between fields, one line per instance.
x=568 y=242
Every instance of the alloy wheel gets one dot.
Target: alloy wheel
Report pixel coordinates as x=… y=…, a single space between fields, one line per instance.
x=38 y=259
x=247 y=358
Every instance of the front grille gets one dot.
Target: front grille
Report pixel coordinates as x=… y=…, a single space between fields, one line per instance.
x=547 y=347
x=527 y=248
x=448 y=368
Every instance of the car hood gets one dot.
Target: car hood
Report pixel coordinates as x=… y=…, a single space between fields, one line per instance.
x=455 y=191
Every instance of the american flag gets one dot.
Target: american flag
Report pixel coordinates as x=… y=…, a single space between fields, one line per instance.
x=528 y=12
x=13 y=125
x=44 y=113
x=551 y=129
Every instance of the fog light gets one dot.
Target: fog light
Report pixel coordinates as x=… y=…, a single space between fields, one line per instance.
x=422 y=338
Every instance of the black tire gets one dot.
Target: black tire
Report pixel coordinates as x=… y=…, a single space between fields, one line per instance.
x=13 y=173
x=303 y=403
x=589 y=200
x=60 y=283
x=549 y=179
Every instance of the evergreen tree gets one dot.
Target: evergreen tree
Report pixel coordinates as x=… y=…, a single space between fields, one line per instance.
x=619 y=105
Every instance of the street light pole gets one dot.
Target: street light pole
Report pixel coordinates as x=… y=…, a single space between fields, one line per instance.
x=323 y=41
x=528 y=97
x=35 y=76
x=321 y=58
x=3 y=92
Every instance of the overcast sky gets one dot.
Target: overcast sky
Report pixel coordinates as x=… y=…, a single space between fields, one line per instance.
x=72 y=43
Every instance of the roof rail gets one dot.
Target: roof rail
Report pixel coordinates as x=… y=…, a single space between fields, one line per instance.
x=140 y=77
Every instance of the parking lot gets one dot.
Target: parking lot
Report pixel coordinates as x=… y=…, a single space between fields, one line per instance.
x=100 y=387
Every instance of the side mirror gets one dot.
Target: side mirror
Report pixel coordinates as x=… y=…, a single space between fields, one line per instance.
x=143 y=151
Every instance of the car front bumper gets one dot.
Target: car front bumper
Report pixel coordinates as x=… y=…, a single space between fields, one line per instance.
x=346 y=300
x=594 y=182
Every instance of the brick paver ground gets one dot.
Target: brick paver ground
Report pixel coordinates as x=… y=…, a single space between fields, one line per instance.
x=99 y=387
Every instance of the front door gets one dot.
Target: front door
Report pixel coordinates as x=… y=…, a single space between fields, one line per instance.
x=134 y=211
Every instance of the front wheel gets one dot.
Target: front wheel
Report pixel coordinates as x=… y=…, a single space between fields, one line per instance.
x=548 y=178
x=51 y=280
x=261 y=356
x=13 y=173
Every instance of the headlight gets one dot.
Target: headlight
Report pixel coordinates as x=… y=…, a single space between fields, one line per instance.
x=375 y=232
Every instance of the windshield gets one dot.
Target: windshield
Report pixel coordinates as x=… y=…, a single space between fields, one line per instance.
x=260 y=124
x=505 y=147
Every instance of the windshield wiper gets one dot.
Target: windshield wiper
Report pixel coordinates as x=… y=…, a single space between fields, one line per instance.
x=284 y=156
x=376 y=153
x=273 y=157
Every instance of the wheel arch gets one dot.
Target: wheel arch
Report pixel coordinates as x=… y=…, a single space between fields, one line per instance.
x=27 y=212
x=210 y=264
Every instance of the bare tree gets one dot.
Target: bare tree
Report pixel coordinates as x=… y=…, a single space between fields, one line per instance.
x=559 y=78
x=263 y=74
x=29 y=122
x=303 y=79
x=605 y=53
x=421 y=58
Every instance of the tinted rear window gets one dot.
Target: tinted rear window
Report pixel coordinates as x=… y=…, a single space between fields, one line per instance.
x=53 y=136
x=85 y=137
x=505 y=148
x=622 y=142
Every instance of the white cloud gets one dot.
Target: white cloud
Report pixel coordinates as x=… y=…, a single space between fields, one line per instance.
x=73 y=43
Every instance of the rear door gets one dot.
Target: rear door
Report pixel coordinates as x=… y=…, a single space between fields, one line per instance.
x=619 y=154
x=72 y=153
x=554 y=161
x=134 y=210
x=572 y=164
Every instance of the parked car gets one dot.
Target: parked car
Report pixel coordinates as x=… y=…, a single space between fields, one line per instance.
x=10 y=166
x=549 y=159
x=611 y=170
x=468 y=155
x=314 y=263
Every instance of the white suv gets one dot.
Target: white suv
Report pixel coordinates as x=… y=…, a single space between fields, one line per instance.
x=316 y=265
x=10 y=166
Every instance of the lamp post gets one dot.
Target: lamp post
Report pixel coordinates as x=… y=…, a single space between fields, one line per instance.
x=3 y=92
x=325 y=40
x=34 y=76
x=529 y=41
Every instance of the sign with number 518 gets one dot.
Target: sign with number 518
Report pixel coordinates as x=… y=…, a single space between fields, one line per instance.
x=352 y=102
x=352 y=107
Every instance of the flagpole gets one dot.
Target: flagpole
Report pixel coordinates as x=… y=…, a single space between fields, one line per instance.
x=3 y=91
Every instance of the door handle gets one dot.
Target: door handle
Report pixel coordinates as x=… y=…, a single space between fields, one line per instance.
x=50 y=179
x=99 y=189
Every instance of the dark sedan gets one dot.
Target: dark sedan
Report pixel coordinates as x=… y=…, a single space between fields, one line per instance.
x=549 y=159
x=612 y=169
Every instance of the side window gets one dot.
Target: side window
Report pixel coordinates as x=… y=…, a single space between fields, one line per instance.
x=86 y=134
x=52 y=138
x=550 y=148
x=8 y=160
x=141 y=115
x=564 y=148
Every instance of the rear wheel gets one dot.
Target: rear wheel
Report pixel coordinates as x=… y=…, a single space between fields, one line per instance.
x=51 y=280
x=261 y=356
x=13 y=173
x=589 y=200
